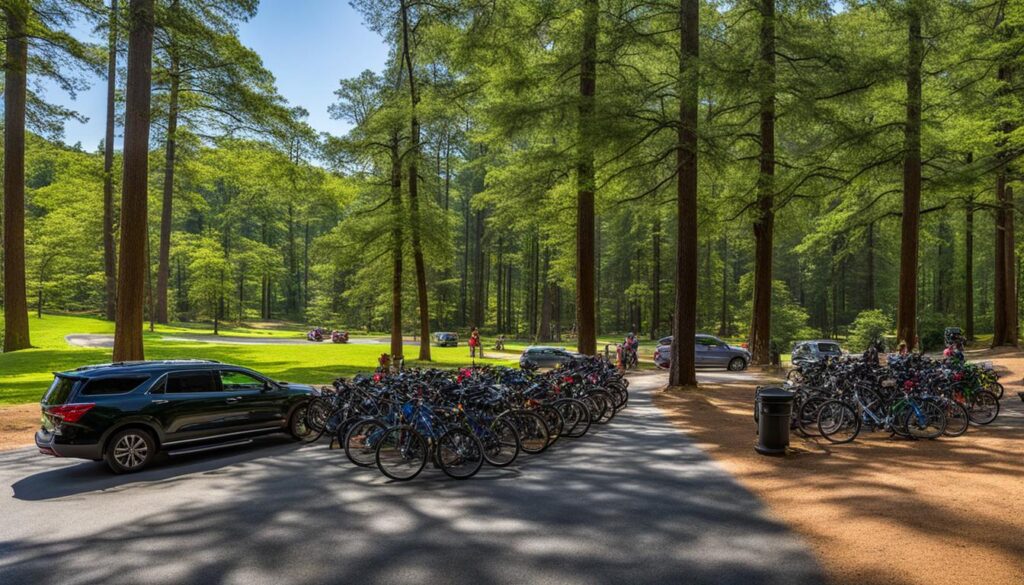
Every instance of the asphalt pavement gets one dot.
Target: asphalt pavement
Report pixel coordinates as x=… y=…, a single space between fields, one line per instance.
x=634 y=501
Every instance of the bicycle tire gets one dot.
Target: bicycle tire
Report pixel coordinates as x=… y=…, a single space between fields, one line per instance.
x=835 y=416
x=459 y=454
x=360 y=444
x=401 y=453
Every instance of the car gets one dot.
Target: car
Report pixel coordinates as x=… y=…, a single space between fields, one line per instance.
x=125 y=413
x=710 y=351
x=446 y=339
x=543 y=356
x=814 y=350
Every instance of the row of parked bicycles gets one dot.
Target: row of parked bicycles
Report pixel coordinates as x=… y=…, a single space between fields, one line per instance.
x=911 y=396
x=459 y=420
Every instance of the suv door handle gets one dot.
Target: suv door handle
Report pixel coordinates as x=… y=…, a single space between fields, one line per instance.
x=233 y=399
x=161 y=401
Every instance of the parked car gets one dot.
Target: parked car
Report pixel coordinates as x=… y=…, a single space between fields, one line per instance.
x=445 y=339
x=814 y=350
x=542 y=356
x=710 y=351
x=125 y=413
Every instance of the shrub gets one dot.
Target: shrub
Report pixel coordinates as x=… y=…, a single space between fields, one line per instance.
x=867 y=327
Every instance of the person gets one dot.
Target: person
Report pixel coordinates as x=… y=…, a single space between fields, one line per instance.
x=632 y=346
x=903 y=348
x=474 y=343
x=499 y=345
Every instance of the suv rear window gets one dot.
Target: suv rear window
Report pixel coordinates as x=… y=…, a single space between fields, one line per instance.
x=183 y=382
x=104 y=386
x=828 y=347
x=60 y=390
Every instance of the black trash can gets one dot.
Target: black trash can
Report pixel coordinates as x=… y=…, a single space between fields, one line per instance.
x=774 y=411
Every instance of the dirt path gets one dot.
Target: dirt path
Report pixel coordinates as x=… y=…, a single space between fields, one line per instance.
x=883 y=511
x=18 y=425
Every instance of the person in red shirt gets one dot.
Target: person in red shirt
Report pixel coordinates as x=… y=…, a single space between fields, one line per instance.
x=474 y=343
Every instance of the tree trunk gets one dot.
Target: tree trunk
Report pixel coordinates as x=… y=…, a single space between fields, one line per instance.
x=683 y=368
x=656 y=279
x=1009 y=314
x=396 y=248
x=969 y=264
x=870 y=284
x=723 y=324
x=764 y=223
x=15 y=92
x=543 y=332
x=414 y=203
x=906 y=326
x=499 y=280
x=464 y=285
x=586 y=319
x=132 y=261
x=167 y=212
x=477 y=313
x=109 y=248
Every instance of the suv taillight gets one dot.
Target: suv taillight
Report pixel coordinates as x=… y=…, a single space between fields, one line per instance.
x=69 y=412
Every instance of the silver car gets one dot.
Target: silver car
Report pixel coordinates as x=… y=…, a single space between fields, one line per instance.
x=814 y=350
x=710 y=351
x=543 y=356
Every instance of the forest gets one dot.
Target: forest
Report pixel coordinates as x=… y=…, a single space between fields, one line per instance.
x=545 y=169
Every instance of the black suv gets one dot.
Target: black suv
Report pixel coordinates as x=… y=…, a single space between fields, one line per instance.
x=124 y=413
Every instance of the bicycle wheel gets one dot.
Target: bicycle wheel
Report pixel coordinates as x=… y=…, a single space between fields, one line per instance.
x=957 y=419
x=609 y=406
x=807 y=415
x=554 y=421
x=927 y=421
x=401 y=453
x=533 y=431
x=838 y=422
x=619 y=394
x=361 y=441
x=317 y=413
x=595 y=406
x=996 y=389
x=501 y=443
x=575 y=415
x=983 y=408
x=459 y=454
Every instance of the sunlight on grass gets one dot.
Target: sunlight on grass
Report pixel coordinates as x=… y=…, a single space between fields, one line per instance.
x=25 y=375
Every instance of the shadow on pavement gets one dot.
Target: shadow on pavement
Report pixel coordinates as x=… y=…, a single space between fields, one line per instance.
x=632 y=502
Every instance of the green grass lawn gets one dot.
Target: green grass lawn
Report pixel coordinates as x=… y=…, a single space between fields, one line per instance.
x=24 y=375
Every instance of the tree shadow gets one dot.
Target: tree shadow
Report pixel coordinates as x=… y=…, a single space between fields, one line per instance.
x=631 y=502
x=953 y=487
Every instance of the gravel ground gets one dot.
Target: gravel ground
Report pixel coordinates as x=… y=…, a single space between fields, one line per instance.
x=882 y=511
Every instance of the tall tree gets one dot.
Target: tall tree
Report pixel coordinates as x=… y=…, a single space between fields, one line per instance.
x=683 y=365
x=906 y=326
x=109 y=247
x=132 y=264
x=414 y=201
x=213 y=83
x=586 y=259
x=764 y=221
x=16 y=335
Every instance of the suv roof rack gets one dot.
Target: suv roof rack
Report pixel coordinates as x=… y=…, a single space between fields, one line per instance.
x=145 y=363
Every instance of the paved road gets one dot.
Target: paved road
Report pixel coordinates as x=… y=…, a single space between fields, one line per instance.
x=107 y=341
x=632 y=502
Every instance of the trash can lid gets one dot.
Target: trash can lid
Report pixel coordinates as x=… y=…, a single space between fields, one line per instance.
x=776 y=395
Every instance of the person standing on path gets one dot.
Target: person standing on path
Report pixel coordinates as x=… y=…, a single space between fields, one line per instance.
x=474 y=343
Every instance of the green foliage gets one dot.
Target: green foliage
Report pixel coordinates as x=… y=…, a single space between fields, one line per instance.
x=869 y=326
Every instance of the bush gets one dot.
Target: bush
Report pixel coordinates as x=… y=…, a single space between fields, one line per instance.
x=866 y=328
x=932 y=329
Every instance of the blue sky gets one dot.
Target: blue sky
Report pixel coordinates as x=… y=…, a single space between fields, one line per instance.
x=308 y=45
